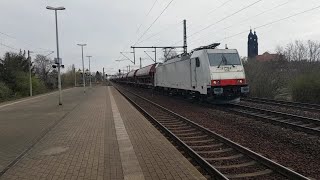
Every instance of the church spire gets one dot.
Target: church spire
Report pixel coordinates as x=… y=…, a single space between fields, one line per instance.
x=252 y=44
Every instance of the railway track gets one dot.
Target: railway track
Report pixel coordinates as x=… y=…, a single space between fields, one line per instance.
x=300 y=123
x=299 y=105
x=218 y=156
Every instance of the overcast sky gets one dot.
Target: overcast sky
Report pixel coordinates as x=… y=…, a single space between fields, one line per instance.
x=109 y=27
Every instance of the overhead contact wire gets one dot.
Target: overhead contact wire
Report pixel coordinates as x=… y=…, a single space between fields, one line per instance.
x=248 y=19
x=242 y=9
x=147 y=15
x=154 y=22
x=272 y=22
x=29 y=44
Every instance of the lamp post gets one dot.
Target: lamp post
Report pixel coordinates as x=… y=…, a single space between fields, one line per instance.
x=89 y=70
x=30 y=75
x=59 y=61
x=75 y=76
x=83 y=78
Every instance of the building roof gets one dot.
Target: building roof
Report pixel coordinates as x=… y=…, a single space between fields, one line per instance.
x=267 y=57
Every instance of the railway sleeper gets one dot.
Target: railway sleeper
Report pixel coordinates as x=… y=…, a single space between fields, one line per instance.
x=194 y=137
x=189 y=134
x=200 y=141
x=180 y=128
x=250 y=163
x=215 y=151
x=174 y=125
x=207 y=146
x=248 y=175
x=224 y=158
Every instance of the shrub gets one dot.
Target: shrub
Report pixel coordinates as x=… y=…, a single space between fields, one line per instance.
x=5 y=92
x=264 y=78
x=38 y=86
x=306 y=88
x=22 y=84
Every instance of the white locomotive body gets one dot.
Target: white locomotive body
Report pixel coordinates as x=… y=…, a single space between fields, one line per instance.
x=207 y=73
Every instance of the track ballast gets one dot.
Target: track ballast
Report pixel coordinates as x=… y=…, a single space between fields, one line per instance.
x=289 y=104
x=298 y=123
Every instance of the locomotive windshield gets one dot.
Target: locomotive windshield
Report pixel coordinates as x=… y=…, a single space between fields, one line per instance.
x=218 y=59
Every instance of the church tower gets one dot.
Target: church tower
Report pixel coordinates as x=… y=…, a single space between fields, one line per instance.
x=255 y=43
x=252 y=45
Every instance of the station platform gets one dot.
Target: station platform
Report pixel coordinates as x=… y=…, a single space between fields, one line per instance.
x=103 y=137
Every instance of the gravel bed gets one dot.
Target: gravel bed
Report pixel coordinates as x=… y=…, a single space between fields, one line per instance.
x=248 y=169
x=298 y=151
x=268 y=177
x=279 y=108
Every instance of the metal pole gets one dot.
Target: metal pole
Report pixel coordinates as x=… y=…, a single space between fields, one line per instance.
x=30 y=76
x=90 y=70
x=155 y=55
x=103 y=80
x=140 y=63
x=58 y=57
x=75 y=76
x=134 y=56
x=84 y=82
x=185 y=50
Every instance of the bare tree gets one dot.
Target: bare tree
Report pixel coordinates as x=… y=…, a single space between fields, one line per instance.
x=313 y=50
x=43 y=67
x=169 y=53
x=301 y=51
x=289 y=52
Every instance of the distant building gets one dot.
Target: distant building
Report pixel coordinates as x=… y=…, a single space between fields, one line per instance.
x=253 y=48
x=268 y=57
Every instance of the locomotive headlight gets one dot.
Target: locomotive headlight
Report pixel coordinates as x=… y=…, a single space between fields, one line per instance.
x=216 y=82
x=240 y=81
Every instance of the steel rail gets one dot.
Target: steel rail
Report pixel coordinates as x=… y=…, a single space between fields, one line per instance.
x=291 y=104
x=201 y=161
x=304 y=124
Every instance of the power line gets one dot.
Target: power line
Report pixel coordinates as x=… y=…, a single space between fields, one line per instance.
x=242 y=9
x=180 y=22
x=223 y=4
x=159 y=32
x=272 y=22
x=10 y=47
x=254 y=16
x=150 y=25
x=154 y=21
x=12 y=37
x=147 y=14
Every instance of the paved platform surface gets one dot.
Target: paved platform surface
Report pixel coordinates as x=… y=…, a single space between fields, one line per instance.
x=97 y=136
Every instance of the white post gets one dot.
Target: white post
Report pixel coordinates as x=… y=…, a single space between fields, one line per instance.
x=75 y=76
x=30 y=75
x=58 y=57
x=83 y=73
x=90 y=70
x=90 y=73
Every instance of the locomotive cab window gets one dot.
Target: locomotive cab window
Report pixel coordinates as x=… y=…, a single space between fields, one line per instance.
x=197 y=62
x=217 y=59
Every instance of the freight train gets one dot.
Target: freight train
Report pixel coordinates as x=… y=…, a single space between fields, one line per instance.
x=207 y=73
